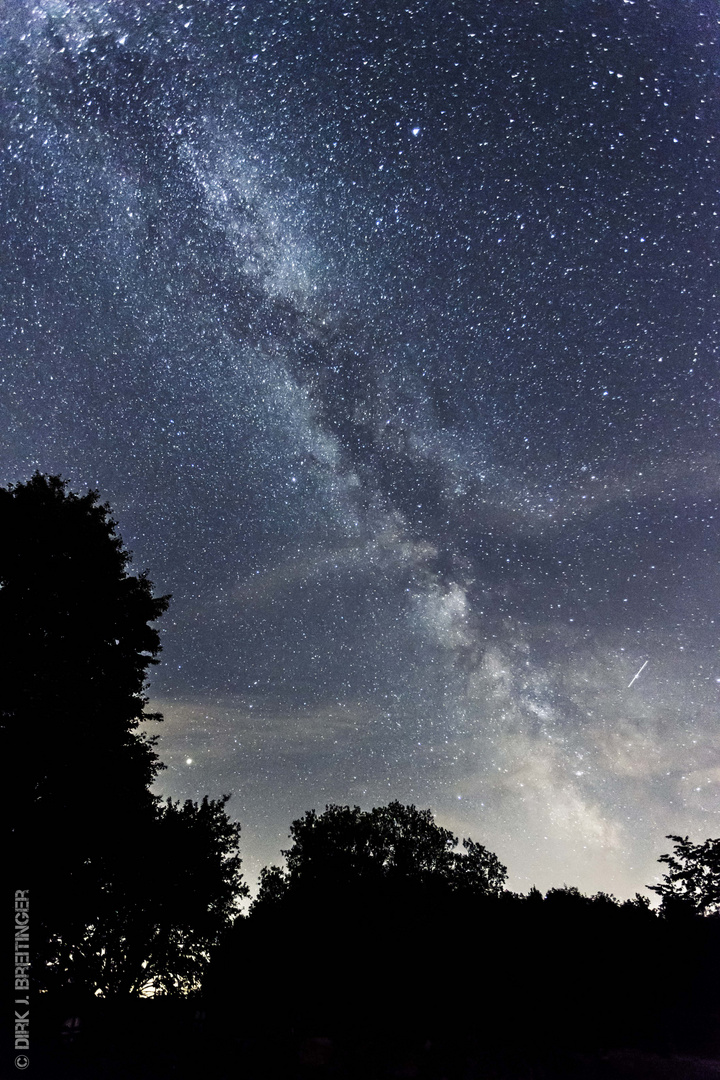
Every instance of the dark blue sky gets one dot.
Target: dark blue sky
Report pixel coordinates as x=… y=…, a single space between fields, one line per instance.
x=390 y=334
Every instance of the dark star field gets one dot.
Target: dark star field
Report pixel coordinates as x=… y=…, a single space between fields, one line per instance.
x=389 y=333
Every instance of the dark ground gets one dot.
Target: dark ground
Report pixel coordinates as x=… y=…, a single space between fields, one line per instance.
x=145 y=1040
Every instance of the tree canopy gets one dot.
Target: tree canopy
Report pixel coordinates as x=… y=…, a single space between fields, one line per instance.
x=81 y=644
x=693 y=882
x=380 y=922
x=159 y=921
x=126 y=891
x=393 y=844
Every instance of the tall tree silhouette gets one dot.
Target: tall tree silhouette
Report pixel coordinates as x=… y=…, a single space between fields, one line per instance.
x=79 y=645
x=87 y=834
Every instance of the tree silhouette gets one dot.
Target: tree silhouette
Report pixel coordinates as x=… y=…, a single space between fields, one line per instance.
x=78 y=652
x=392 y=844
x=693 y=883
x=379 y=928
x=124 y=891
x=157 y=929
x=362 y=912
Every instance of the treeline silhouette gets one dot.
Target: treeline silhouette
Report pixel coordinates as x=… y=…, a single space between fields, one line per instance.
x=381 y=940
x=378 y=925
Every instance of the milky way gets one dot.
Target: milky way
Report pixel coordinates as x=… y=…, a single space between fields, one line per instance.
x=389 y=334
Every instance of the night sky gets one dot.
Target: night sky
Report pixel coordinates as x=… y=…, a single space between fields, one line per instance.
x=388 y=331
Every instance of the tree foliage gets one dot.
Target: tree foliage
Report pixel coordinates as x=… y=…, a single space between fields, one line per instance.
x=126 y=891
x=80 y=647
x=196 y=887
x=693 y=881
x=389 y=844
x=374 y=911
x=157 y=921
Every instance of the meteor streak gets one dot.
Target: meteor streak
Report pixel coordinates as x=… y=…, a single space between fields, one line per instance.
x=638 y=673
